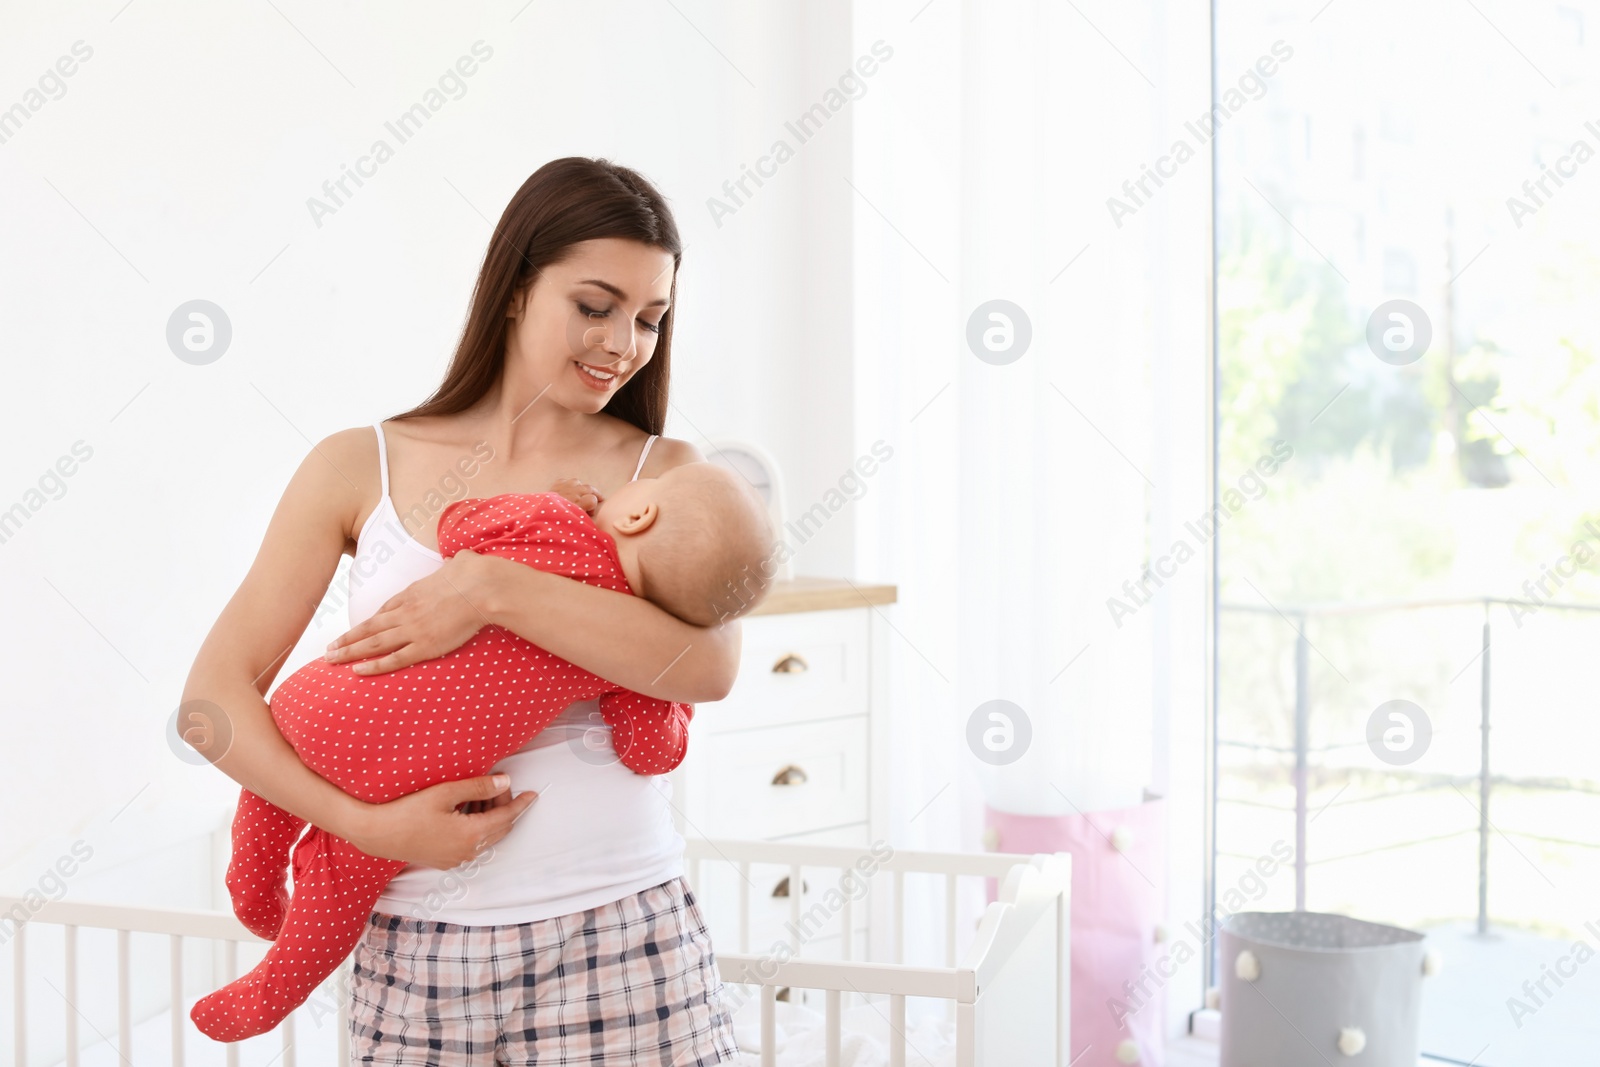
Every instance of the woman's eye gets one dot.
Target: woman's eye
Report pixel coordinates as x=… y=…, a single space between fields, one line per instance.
x=589 y=312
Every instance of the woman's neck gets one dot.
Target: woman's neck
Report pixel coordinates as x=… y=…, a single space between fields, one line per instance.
x=518 y=420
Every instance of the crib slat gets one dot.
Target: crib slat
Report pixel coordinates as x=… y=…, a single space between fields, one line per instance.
x=19 y=986
x=897 y=1030
x=899 y=916
x=949 y=920
x=966 y=1036
x=849 y=927
x=769 y=1026
x=796 y=887
x=286 y=1031
x=230 y=964
x=831 y=1021
x=175 y=970
x=72 y=995
x=344 y=1013
x=124 y=999
x=744 y=907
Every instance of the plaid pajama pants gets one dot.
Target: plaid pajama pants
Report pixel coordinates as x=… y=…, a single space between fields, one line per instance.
x=632 y=982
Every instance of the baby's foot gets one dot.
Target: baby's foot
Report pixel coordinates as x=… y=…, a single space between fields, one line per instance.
x=258 y=903
x=244 y=1008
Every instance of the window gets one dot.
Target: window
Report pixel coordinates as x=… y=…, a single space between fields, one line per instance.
x=1407 y=606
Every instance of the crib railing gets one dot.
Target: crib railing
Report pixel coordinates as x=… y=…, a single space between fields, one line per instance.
x=1033 y=895
x=951 y=866
x=176 y=925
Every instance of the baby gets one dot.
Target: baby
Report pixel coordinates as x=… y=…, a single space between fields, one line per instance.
x=694 y=542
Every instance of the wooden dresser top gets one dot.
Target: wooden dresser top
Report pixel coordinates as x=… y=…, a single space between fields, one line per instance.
x=822 y=594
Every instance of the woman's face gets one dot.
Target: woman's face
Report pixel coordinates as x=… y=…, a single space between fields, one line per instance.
x=590 y=322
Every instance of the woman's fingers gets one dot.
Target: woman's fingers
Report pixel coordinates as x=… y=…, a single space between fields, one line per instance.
x=490 y=809
x=340 y=647
x=403 y=657
x=499 y=800
x=367 y=639
x=465 y=790
x=373 y=634
x=430 y=617
x=432 y=827
x=496 y=823
x=385 y=650
x=363 y=649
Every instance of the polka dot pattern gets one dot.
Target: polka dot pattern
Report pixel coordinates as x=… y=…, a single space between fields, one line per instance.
x=387 y=735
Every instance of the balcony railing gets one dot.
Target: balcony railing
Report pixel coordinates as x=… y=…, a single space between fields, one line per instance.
x=1301 y=618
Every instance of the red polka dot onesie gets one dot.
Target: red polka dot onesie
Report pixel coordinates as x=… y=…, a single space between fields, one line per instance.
x=383 y=736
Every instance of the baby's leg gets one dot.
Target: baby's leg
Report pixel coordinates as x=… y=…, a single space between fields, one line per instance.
x=335 y=887
x=258 y=871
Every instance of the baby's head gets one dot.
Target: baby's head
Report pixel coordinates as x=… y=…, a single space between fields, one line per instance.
x=696 y=542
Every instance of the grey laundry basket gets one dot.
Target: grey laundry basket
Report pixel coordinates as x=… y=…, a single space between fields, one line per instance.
x=1316 y=989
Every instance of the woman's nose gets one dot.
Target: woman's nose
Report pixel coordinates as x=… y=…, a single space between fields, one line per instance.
x=616 y=341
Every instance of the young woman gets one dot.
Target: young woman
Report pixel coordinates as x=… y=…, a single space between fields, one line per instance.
x=571 y=936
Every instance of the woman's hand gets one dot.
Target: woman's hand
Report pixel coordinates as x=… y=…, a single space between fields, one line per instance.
x=431 y=616
x=430 y=828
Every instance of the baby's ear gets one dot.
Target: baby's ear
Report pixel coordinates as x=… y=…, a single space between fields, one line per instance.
x=638 y=520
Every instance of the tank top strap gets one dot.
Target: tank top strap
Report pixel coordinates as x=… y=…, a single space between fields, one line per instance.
x=383 y=462
x=644 y=454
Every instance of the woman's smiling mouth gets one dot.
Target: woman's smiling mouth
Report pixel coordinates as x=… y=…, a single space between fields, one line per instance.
x=593 y=378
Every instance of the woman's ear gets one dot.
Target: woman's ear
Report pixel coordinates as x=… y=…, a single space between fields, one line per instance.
x=637 y=520
x=519 y=299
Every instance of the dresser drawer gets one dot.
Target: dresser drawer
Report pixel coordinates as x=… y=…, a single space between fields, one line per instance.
x=780 y=781
x=795 y=668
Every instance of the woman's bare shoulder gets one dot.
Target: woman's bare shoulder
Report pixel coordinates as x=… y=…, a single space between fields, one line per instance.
x=353 y=453
x=430 y=429
x=667 y=453
x=625 y=441
x=348 y=475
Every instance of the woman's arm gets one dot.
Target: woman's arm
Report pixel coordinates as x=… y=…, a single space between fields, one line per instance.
x=227 y=720
x=624 y=639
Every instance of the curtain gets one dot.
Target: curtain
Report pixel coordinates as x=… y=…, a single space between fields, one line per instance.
x=1035 y=355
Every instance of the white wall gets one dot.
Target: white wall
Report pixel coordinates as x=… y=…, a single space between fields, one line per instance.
x=813 y=319
x=177 y=165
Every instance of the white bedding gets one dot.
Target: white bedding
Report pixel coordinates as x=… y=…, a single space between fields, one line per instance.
x=863 y=1037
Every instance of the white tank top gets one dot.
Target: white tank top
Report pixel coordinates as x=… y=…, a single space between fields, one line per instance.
x=597 y=833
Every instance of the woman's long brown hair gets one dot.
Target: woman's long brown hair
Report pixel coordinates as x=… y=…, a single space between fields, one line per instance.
x=562 y=203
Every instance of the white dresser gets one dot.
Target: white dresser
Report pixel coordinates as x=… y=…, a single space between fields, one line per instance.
x=796 y=752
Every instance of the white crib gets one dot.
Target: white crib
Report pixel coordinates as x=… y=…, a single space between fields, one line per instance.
x=1005 y=990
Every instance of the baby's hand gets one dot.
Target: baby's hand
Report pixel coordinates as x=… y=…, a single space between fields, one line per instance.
x=582 y=494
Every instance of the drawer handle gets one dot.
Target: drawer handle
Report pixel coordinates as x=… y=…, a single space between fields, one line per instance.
x=793 y=663
x=790 y=775
x=782 y=889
